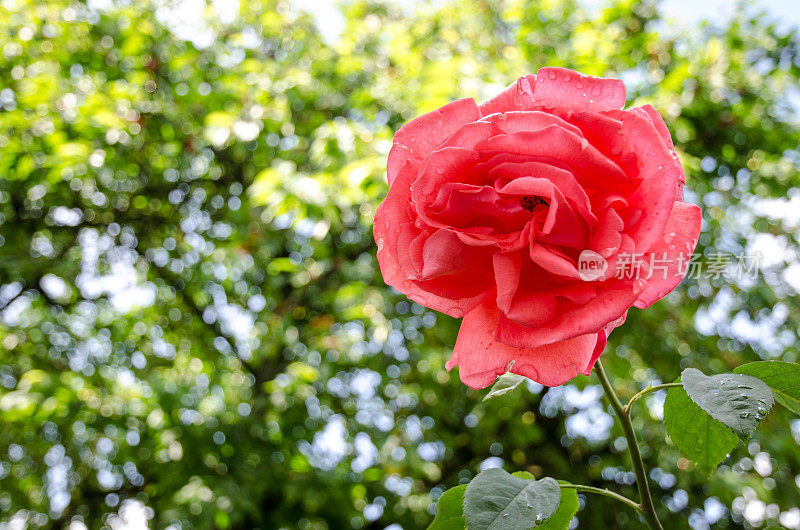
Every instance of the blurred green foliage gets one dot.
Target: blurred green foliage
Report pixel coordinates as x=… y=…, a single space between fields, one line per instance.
x=193 y=326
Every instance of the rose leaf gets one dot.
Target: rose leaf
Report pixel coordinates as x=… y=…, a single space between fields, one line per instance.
x=736 y=400
x=496 y=500
x=701 y=438
x=450 y=510
x=782 y=377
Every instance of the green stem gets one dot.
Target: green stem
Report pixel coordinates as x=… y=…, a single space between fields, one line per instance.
x=648 y=390
x=608 y=493
x=648 y=509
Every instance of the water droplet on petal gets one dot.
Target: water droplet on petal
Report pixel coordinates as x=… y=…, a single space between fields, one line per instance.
x=744 y=415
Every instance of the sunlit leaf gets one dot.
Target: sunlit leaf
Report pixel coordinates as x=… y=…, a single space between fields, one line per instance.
x=504 y=384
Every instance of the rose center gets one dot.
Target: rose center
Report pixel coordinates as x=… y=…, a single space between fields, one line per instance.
x=530 y=202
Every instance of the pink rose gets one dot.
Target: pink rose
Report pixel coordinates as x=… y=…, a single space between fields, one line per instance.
x=540 y=216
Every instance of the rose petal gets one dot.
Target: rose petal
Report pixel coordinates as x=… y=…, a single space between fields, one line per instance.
x=577 y=293
x=605 y=131
x=676 y=244
x=444 y=254
x=560 y=87
x=414 y=141
x=485 y=236
x=400 y=159
x=591 y=168
x=511 y=178
x=560 y=362
x=529 y=308
x=424 y=134
x=658 y=123
x=517 y=96
x=562 y=226
x=607 y=238
x=572 y=320
x=622 y=263
x=481 y=358
x=514 y=121
x=553 y=261
x=461 y=206
x=410 y=238
x=456 y=287
x=400 y=253
x=444 y=165
x=602 y=338
x=631 y=140
x=470 y=134
x=660 y=174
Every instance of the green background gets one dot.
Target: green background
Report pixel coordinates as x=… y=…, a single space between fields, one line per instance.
x=193 y=326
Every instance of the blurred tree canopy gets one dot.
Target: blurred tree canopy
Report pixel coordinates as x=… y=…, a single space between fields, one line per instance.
x=193 y=327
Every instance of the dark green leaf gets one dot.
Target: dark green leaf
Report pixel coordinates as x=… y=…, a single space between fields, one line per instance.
x=497 y=500
x=450 y=510
x=701 y=438
x=782 y=377
x=736 y=400
x=504 y=384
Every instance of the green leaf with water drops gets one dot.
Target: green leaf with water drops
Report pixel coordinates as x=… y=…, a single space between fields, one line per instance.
x=700 y=438
x=496 y=500
x=450 y=510
x=504 y=384
x=566 y=510
x=737 y=400
x=782 y=377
